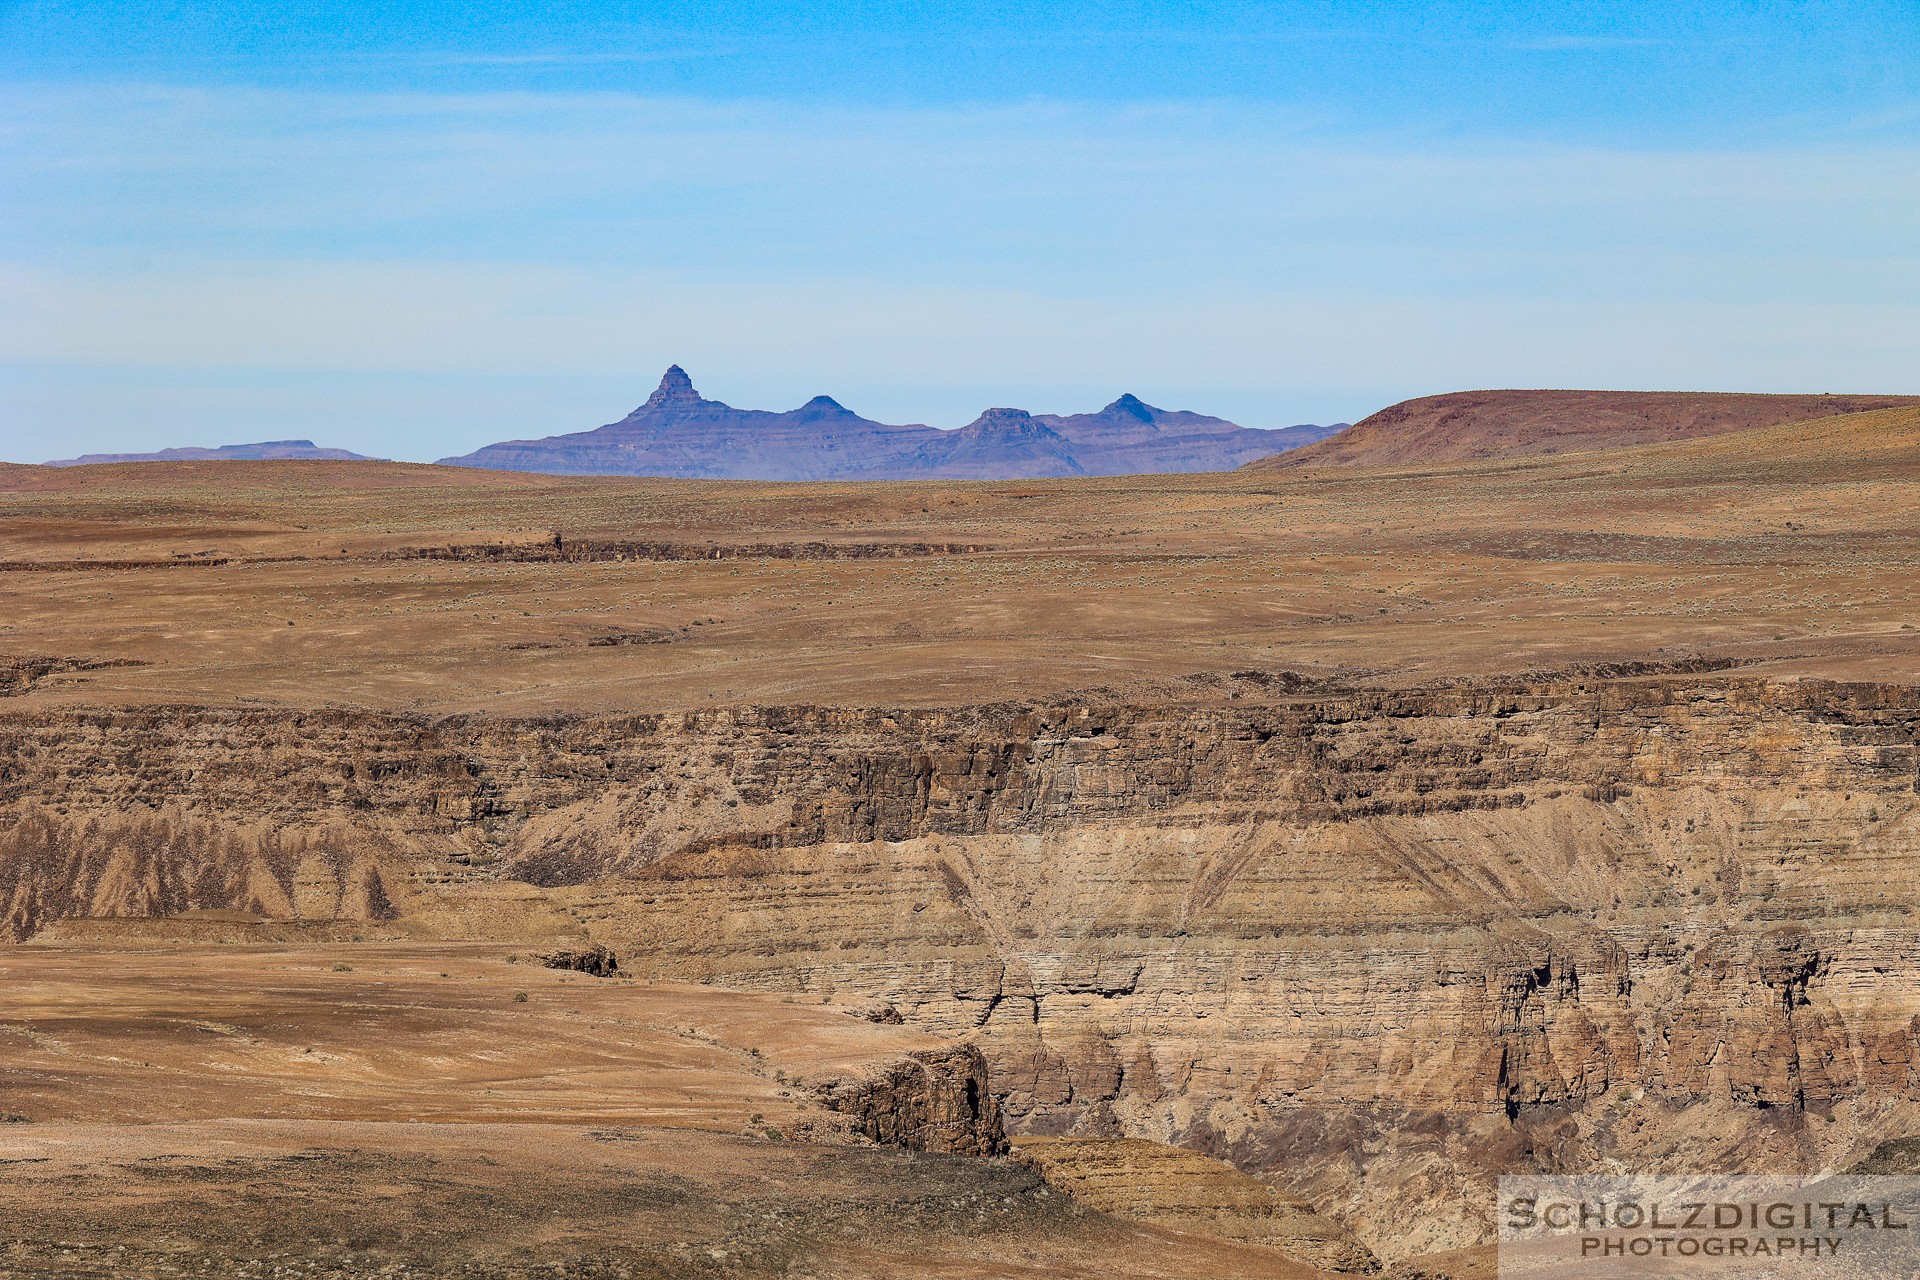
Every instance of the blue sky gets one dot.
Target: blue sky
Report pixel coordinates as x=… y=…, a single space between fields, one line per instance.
x=413 y=229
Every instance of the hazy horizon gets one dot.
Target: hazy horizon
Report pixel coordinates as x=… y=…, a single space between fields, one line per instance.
x=415 y=232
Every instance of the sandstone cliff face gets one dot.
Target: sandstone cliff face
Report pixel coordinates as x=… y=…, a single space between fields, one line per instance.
x=1376 y=945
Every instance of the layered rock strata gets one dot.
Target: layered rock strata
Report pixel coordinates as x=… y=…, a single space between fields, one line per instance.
x=1374 y=945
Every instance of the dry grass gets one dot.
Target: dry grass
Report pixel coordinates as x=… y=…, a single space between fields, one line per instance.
x=1793 y=548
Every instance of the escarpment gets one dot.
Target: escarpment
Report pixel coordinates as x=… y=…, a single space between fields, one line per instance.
x=1373 y=945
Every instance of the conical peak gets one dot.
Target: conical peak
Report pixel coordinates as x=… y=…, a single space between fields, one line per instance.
x=675 y=388
x=1132 y=406
x=822 y=404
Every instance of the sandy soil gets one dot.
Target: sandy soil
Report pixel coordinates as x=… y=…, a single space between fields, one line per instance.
x=394 y=1110
x=436 y=1033
x=337 y=1199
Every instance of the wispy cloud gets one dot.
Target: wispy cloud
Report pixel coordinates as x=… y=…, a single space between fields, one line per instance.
x=916 y=262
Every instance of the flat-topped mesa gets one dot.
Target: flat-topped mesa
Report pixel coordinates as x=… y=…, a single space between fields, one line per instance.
x=259 y=451
x=1005 y=421
x=1467 y=425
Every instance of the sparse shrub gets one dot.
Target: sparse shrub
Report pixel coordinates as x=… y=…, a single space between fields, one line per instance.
x=519 y=997
x=343 y=967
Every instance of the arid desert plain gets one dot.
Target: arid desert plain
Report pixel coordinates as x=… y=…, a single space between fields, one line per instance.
x=1210 y=875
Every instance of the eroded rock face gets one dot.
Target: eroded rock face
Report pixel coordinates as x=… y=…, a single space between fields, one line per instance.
x=1377 y=945
x=936 y=1100
x=596 y=961
x=1173 y=1187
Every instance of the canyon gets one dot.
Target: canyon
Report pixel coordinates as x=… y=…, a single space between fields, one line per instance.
x=1374 y=830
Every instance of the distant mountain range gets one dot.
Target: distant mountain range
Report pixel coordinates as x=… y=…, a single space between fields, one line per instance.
x=678 y=432
x=266 y=449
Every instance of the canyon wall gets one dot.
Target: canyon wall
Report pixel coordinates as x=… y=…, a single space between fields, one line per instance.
x=1373 y=944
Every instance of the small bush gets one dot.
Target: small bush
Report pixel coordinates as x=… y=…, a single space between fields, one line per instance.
x=343 y=968
x=519 y=997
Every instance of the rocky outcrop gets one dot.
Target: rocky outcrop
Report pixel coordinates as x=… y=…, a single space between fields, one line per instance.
x=937 y=1100
x=21 y=673
x=596 y=961
x=1897 y=1157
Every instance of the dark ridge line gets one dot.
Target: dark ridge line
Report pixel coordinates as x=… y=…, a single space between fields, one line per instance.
x=587 y=551
x=583 y=552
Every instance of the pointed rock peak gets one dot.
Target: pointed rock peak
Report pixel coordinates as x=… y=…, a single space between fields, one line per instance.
x=823 y=404
x=675 y=388
x=1131 y=406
